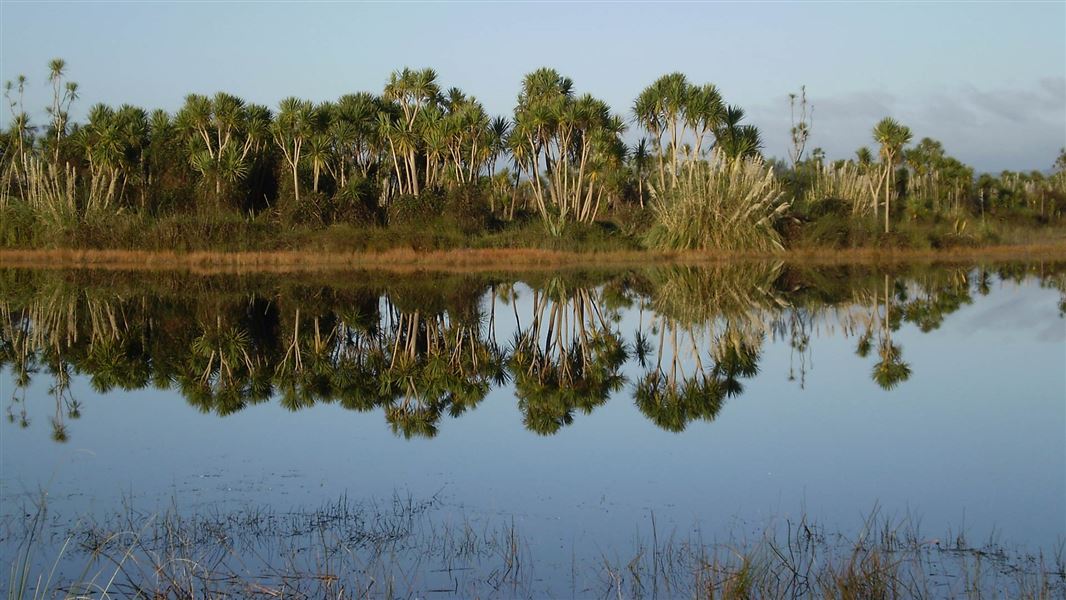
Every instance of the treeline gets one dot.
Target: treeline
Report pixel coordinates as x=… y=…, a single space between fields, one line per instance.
x=419 y=156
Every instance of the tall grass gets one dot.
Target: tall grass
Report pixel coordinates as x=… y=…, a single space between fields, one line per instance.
x=720 y=203
x=933 y=193
x=848 y=183
x=53 y=195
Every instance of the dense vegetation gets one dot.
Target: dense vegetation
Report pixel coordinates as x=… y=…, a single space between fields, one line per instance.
x=426 y=167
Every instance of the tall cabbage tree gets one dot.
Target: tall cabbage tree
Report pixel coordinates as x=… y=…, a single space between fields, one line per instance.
x=680 y=118
x=413 y=91
x=222 y=132
x=561 y=137
x=293 y=129
x=892 y=136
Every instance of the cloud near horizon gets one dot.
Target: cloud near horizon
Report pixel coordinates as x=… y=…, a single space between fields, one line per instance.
x=992 y=129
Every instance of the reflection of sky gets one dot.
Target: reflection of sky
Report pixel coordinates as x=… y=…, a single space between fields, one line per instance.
x=975 y=438
x=1008 y=313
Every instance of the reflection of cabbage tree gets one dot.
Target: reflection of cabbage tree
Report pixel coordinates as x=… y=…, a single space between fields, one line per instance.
x=434 y=364
x=890 y=370
x=307 y=372
x=567 y=358
x=722 y=312
x=798 y=325
x=359 y=359
x=935 y=295
x=65 y=404
x=224 y=371
x=673 y=397
x=17 y=346
x=42 y=334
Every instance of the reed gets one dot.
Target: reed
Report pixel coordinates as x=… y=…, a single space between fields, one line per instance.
x=847 y=182
x=405 y=548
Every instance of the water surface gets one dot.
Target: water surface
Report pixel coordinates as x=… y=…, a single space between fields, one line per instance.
x=574 y=406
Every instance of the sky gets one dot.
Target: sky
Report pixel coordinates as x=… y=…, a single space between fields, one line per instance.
x=987 y=79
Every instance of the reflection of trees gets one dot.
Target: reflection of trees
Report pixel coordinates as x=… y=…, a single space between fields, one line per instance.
x=876 y=325
x=711 y=325
x=422 y=351
x=435 y=364
x=890 y=370
x=566 y=359
x=924 y=300
x=930 y=297
x=672 y=397
x=20 y=343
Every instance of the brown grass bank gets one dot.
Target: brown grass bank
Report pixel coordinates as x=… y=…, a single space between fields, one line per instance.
x=472 y=260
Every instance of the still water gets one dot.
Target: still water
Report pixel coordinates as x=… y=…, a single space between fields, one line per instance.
x=575 y=407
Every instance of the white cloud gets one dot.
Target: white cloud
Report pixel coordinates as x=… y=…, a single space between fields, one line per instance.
x=1018 y=128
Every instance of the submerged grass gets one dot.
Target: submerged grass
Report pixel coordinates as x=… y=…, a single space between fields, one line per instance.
x=404 y=549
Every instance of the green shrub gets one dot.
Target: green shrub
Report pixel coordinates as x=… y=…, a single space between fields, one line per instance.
x=723 y=203
x=408 y=209
x=468 y=207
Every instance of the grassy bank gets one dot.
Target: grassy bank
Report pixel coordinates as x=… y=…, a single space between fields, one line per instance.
x=494 y=259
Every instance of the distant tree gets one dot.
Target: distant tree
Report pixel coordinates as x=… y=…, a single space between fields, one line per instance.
x=892 y=136
x=63 y=95
x=801 y=127
x=864 y=157
x=20 y=121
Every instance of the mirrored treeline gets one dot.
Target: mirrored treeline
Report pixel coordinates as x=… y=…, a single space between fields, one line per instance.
x=426 y=348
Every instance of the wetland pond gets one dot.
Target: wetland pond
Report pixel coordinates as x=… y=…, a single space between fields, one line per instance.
x=499 y=435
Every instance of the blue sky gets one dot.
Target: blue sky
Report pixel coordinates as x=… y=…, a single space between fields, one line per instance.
x=988 y=79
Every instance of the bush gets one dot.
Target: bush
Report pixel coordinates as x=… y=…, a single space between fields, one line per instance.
x=408 y=209
x=357 y=203
x=723 y=203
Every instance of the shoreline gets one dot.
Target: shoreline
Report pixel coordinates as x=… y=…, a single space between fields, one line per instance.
x=491 y=259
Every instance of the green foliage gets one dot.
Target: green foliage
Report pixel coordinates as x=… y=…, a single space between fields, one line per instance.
x=723 y=204
x=421 y=166
x=576 y=138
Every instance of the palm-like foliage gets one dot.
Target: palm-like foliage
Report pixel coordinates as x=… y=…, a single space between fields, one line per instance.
x=892 y=137
x=890 y=370
x=561 y=143
x=293 y=128
x=684 y=120
x=735 y=139
x=223 y=134
x=412 y=91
